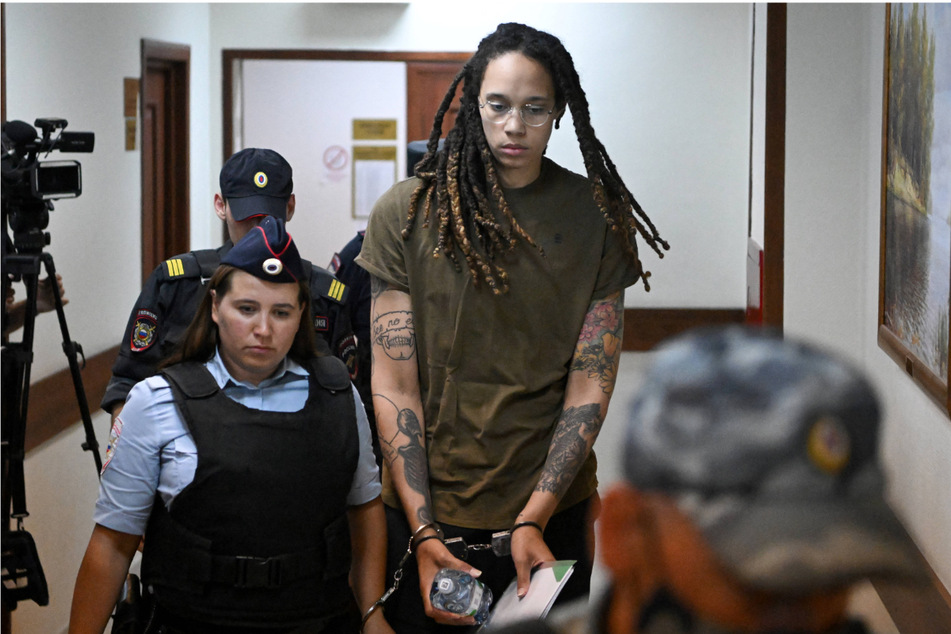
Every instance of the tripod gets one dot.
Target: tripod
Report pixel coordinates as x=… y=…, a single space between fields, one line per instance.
x=22 y=574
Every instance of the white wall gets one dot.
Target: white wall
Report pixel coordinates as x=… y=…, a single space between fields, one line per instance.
x=668 y=86
x=322 y=99
x=835 y=60
x=69 y=61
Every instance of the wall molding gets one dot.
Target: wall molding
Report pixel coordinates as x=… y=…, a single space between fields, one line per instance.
x=644 y=328
x=53 y=405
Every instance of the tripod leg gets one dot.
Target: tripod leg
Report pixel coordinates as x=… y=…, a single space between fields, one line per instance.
x=72 y=351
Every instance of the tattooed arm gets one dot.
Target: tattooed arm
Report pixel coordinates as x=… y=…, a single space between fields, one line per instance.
x=399 y=420
x=591 y=378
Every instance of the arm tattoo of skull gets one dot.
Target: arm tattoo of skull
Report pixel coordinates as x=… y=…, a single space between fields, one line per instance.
x=575 y=432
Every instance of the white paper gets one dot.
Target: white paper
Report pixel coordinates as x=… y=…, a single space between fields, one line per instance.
x=547 y=581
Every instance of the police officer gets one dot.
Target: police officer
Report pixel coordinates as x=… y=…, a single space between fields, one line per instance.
x=248 y=463
x=254 y=183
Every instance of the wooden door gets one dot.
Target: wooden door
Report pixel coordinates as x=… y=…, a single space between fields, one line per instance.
x=165 y=161
x=153 y=169
x=426 y=85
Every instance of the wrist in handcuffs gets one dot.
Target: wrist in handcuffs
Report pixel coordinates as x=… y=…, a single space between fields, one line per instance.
x=418 y=537
x=526 y=524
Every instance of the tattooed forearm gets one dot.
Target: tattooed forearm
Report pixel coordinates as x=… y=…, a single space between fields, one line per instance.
x=599 y=344
x=574 y=435
x=413 y=453
x=407 y=444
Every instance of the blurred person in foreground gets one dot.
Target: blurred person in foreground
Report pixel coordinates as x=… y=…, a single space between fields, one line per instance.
x=752 y=498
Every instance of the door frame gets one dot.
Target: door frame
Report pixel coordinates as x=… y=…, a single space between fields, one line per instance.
x=230 y=58
x=175 y=61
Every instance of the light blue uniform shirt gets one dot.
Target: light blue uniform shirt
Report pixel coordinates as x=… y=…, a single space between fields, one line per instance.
x=151 y=450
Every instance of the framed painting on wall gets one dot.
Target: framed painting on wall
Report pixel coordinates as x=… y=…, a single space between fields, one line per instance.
x=915 y=263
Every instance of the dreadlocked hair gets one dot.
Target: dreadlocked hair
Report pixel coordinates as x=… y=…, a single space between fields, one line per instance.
x=459 y=186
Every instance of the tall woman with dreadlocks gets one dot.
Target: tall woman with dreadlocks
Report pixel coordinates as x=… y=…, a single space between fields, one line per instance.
x=498 y=284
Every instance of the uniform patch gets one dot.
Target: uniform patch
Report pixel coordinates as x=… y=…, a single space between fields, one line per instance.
x=321 y=323
x=175 y=267
x=143 y=332
x=114 y=434
x=347 y=350
x=335 y=263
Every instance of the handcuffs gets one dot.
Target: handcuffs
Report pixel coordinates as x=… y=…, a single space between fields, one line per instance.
x=500 y=545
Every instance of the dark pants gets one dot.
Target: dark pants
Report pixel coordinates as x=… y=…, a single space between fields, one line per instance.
x=567 y=536
x=165 y=623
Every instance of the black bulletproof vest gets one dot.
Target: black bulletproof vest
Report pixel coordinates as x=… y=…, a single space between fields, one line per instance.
x=260 y=535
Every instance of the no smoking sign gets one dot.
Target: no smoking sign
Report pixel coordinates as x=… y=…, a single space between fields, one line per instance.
x=336 y=158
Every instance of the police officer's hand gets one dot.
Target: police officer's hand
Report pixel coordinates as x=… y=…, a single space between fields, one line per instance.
x=528 y=550
x=431 y=557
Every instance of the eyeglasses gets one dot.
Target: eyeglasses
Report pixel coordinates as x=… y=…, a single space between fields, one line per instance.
x=531 y=114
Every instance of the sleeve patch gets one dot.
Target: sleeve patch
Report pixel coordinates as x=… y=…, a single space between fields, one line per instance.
x=143 y=332
x=114 y=434
x=321 y=323
x=347 y=351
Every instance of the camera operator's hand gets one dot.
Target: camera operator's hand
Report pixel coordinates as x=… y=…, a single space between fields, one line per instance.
x=45 y=302
x=45 y=299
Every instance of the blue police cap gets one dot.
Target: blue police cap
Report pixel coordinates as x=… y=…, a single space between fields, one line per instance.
x=255 y=182
x=267 y=252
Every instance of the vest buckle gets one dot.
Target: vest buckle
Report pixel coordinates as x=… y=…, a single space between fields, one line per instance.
x=257 y=572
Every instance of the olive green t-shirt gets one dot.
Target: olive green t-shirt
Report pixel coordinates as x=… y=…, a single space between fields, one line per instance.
x=493 y=368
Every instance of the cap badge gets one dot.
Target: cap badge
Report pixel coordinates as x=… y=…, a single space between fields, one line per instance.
x=272 y=266
x=260 y=179
x=828 y=445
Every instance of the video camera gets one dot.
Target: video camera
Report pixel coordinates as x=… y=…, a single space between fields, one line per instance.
x=30 y=185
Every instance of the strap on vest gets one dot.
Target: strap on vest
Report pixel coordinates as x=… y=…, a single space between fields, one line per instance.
x=192 y=379
x=265 y=572
x=187 y=560
x=331 y=373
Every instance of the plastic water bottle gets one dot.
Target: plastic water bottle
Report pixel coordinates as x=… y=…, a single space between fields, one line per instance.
x=461 y=593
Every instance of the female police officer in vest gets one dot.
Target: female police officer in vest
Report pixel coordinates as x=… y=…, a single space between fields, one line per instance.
x=246 y=460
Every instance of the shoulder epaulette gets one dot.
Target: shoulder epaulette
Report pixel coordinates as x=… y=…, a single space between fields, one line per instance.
x=180 y=267
x=324 y=284
x=201 y=263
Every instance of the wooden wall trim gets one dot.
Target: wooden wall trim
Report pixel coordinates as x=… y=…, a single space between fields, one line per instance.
x=774 y=177
x=923 y=608
x=644 y=328
x=53 y=406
